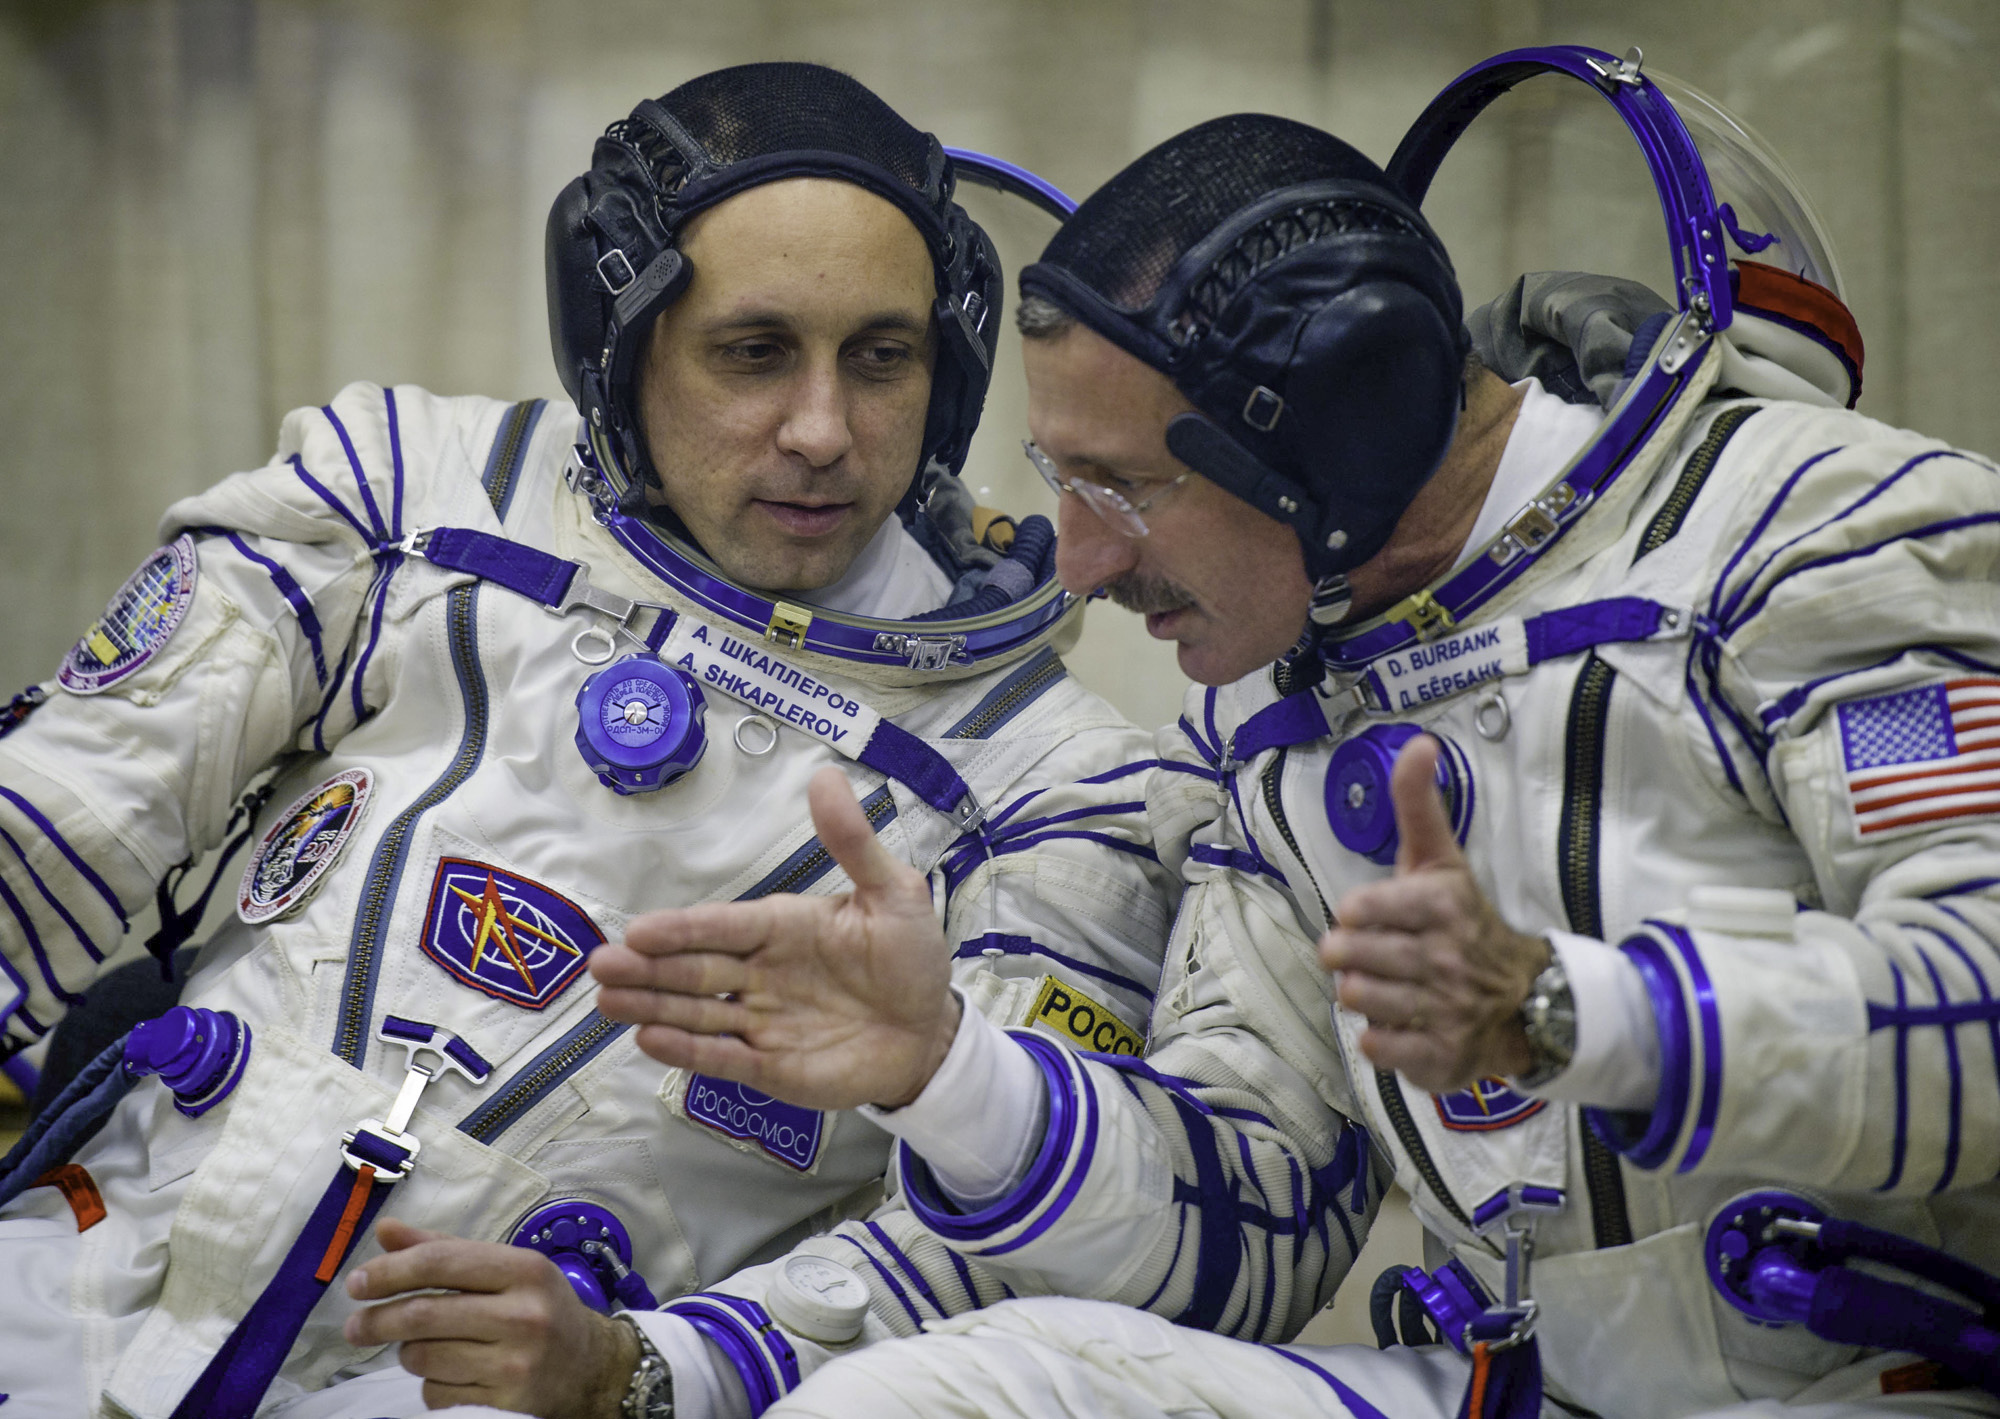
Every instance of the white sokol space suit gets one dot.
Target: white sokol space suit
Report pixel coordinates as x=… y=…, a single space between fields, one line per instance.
x=447 y=861
x=1804 y=717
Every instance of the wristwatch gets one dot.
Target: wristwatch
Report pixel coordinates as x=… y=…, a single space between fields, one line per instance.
x=1548 y=1018
x=649 y=1394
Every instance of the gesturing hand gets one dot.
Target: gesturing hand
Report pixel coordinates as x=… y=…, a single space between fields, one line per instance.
x=506 y=1331
x=1426 y=957
x=825 y=1002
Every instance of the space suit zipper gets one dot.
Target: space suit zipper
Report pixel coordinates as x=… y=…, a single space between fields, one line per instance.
x=386 y=868
x=1578 y=844
x=1386 y=1083
x=1694 y=475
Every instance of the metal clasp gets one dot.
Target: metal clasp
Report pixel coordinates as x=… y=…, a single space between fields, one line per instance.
x=788 y=625
x=1610 y=74
x=414 y=541
x=1513 y=1213
x=924 y=652
x=1427 y=617
x=394 y=1130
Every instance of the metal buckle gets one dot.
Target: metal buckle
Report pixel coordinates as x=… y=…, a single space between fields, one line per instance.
x=788 y=625
x=581 y=593
x=1516 y=1221
x=1610 y=74
x=1262 y=409
x=924 y=652
x=414 y=541
x=1426 y=615
x=624 y=275
x=1690 y=333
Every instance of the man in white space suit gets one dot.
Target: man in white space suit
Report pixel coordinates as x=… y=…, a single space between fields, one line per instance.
x=519 y=674
x=1601 y=835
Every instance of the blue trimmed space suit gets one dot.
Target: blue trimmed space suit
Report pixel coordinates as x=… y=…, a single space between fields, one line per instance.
x=435 y=858
x=1770 y=794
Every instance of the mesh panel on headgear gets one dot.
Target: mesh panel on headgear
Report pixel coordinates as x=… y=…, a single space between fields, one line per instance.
x=1124 y=239
x=754 y=110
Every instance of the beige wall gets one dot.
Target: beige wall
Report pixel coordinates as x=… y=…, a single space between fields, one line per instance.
x=217 y=209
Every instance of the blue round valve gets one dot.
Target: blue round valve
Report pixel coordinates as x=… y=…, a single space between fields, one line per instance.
x=1358 y=805
x=639 y=724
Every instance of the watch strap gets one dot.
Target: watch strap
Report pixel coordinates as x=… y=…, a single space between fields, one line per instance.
x=1548 y=1019
x=649 y=1394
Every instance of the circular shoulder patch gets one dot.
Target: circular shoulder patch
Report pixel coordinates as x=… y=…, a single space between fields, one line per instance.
x=301 y=847
x=141 y=618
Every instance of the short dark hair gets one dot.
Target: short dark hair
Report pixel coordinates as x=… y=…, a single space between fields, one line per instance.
x=1039 y=318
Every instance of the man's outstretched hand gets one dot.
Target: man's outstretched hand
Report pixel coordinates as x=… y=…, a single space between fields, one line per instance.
x=825 y=1002
x=1426 y=957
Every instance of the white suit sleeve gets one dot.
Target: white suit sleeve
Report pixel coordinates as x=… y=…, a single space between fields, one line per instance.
x=1849 y=662
x=252 y=638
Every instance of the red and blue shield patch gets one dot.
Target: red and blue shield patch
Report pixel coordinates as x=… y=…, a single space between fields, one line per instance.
x=500 y=933
x=1487 y=1105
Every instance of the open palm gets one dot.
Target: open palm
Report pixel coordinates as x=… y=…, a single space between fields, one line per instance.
x=824 y=1002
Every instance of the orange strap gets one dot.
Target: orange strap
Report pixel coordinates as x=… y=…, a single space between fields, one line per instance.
x=1763 y=287
x=79 y=1189
x=1917 y=1377
x=1475 y=1394
x=343 y=1233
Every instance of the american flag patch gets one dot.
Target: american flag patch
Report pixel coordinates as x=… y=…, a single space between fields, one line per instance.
x=1924 y=755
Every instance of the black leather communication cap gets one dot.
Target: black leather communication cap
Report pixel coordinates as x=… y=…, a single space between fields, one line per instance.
x=1298 y=300
x=612 y=265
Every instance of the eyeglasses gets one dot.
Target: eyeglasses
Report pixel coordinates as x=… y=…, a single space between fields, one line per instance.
x=1118 y=511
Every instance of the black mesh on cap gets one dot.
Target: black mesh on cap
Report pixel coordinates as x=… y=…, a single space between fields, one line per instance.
x=1124 y=239
x=759 y=110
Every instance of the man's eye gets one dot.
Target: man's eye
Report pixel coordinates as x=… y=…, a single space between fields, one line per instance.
x=753 y=352
x=882 y=357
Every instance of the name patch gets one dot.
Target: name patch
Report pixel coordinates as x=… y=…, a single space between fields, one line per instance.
x=1070 y=1014
x=504 y=935
x=141 y=618
x=301 y=847
x=744 y=670
x=1489 y=1104
x=1451 y=664
x=785 y=1131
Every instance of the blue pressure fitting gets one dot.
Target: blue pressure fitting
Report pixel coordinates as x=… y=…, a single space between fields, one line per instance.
x=199 y=1054
x=640 y=724
x=1358 y=806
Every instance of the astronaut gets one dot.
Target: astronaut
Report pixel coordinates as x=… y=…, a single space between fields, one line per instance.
x=518 y=674
x=1601 y=836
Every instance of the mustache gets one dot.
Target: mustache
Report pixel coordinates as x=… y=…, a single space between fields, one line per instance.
x=1148 y=595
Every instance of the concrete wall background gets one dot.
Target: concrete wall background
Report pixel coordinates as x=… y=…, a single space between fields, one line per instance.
x=218 y=209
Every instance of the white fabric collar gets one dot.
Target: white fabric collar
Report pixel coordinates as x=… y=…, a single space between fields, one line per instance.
x=893 y=579
x=1547 y=433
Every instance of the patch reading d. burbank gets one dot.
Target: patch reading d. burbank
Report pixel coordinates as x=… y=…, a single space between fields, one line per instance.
x=1069 y=1014
x=301 y=847
x=1487 y=1105
x=787 y=1132
x=141 y=618
x=514 y=939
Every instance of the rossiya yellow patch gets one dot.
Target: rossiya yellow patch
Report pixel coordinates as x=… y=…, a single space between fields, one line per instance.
x=1071 y=1014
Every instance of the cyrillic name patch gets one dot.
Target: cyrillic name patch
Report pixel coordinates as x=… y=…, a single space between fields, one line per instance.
x=502 y=934
x=301 y=847
x=1487 y=1105
x=1070 y=1014
x=141 y=618
x=786 y=1132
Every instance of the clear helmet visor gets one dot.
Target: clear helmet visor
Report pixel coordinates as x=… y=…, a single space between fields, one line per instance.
x=1765 y=213
x=1535 y=162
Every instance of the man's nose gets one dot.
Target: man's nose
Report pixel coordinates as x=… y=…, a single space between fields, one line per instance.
x=1089 y=552
x=815 y=425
